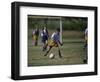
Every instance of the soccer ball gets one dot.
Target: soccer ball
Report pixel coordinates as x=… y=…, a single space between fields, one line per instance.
x=51 y=56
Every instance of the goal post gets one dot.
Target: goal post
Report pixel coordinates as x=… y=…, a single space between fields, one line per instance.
x=61 y=29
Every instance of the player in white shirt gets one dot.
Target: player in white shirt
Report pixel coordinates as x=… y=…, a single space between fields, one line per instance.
x=86 y=38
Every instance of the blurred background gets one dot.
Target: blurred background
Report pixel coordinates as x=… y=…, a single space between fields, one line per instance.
x=72 y=33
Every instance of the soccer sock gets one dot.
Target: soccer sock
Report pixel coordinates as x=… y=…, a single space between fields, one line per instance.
x=60 y=54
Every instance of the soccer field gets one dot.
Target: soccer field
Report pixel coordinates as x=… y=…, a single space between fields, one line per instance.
x=72 y=52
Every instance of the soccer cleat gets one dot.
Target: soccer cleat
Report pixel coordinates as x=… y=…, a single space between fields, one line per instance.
x=85 y=61
x=46 y=54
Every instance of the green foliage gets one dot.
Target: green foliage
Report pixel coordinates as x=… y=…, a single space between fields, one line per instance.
x=68 y=23
x=74 y=24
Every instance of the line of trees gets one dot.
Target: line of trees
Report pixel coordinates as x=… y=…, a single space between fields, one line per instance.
x=68 y=23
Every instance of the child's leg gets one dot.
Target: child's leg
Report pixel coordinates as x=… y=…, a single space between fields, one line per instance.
x=86 y=58
x=59 y=52
x=35 y=40
x=85 y=45
x=45 y=46
x=35 y=43
x=48 y=51
x=86 y=39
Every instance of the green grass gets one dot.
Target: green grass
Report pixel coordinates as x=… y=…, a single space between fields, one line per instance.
x=73 y=53
x=72 y=50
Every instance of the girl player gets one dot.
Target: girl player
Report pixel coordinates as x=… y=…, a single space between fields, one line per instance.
x=44 y=36
x=54 y=42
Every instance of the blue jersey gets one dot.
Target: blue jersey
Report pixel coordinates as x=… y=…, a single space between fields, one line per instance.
x=55 y=37
x=44 y=35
